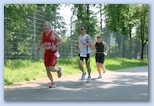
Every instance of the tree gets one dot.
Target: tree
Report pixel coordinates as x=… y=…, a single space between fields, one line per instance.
x=14 y=25
x=122 y=18
x=142 y=26
x=23 y=24
x=85 y=16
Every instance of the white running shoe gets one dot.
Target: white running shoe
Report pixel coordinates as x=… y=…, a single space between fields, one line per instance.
x=53 y=85
x=104 y=71
x=99 y=76
x=83 y=76
x=89 y=79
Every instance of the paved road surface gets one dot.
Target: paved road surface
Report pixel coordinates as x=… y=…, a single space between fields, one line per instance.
x=121 y=85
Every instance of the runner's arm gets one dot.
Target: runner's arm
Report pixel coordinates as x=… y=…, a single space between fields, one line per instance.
x=58 y=38
x=89 y=43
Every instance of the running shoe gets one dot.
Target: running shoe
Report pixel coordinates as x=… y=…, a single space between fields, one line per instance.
x=99 y=76
x=59 y=73
x=53 y=85
x=89 y=79
x=83 y=76
x=104 y=71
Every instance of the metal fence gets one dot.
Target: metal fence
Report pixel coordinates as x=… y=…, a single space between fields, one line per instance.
x=124 y=46
x=119 y=46
x=22 y=43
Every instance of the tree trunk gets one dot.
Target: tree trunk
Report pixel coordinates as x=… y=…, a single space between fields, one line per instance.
x=130 y=47
x=101 y=17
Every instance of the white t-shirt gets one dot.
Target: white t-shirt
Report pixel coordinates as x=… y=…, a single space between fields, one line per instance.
x=83 y=49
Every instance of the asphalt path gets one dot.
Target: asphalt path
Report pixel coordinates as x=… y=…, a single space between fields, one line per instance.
x=119 y=85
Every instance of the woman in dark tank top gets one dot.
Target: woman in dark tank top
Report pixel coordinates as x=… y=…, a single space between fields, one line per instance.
x=101 y=50
x=99 y=47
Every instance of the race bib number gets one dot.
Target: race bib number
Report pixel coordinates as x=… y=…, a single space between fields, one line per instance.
x=83 y=55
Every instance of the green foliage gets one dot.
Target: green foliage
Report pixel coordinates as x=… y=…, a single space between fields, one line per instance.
x=26 y=70
x=23 y=24
x=122 y=18
x=85 y=16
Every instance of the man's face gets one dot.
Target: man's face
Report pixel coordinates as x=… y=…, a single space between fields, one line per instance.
x=46 y=26
x=82 y=29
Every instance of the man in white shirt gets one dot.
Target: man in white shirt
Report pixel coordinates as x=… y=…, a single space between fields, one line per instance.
x=84 y=52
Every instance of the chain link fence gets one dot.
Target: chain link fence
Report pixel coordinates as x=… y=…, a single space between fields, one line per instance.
x=22 y=43
x=119 y=46
x=124 y=46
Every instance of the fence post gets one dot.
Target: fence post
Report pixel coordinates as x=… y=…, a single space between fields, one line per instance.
x=5 y=35
x=71 y=37
x=35 y=33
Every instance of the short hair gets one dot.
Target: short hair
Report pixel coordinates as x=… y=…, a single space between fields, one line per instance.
x=85 y=27
x=48 y=23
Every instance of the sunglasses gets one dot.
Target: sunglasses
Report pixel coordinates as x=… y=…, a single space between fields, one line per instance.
x=98 y=37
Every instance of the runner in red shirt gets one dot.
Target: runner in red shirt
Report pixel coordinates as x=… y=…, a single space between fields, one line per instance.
x=50 y=41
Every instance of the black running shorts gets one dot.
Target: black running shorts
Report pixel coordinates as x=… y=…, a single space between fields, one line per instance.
x=87 y=59
x=99 y=58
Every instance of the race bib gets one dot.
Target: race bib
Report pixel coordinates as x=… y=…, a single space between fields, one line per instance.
x=83 y=55
x=57 y=54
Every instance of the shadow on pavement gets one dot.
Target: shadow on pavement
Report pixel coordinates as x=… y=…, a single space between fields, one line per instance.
x=114 y=86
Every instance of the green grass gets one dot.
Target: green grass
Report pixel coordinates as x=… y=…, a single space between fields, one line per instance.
x=26 y=70
x=119 y=63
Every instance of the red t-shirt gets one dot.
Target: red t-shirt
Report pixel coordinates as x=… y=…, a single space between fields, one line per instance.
x=48 y=43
